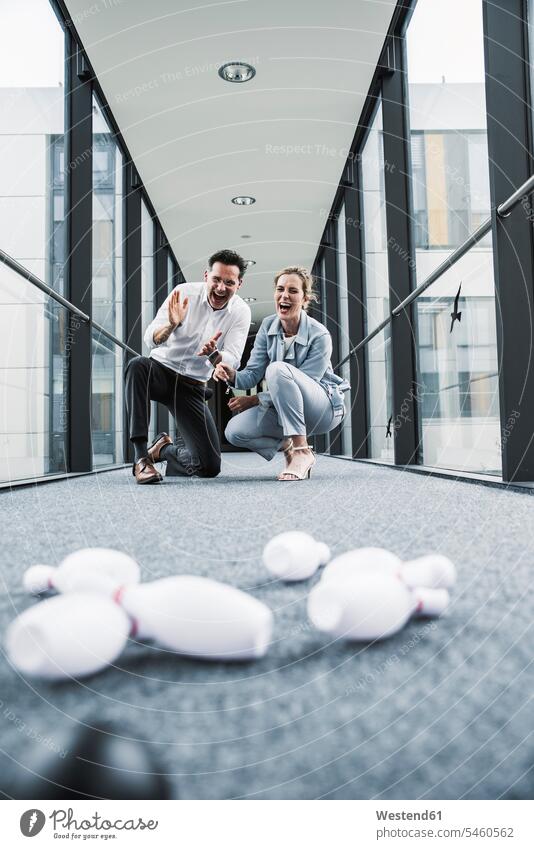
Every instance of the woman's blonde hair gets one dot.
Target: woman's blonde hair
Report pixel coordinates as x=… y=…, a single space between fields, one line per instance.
x=305 y=278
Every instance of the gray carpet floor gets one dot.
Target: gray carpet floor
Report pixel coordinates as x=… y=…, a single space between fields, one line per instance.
x=441 y=710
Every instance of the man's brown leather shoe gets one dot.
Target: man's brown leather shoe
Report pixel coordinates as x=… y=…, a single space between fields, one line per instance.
x=154 y=449
x=144 y=472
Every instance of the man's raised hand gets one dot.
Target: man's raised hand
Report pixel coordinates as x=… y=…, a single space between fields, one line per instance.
x=177 y=309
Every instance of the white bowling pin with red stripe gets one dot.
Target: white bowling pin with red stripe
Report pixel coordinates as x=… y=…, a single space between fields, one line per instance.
x=69 y=575
x=69 y=636
x=432 y=570
x=199 y=617
x=370 y=607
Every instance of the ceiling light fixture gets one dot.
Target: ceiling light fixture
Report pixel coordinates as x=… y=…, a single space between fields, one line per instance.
x=237 y=72
x=249 y=300
x=245 y=237
x=243 y=200
x=250 y=262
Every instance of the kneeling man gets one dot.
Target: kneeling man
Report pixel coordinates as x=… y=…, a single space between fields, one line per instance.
x=198 y=326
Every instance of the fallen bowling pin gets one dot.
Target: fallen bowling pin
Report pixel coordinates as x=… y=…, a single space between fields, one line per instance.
x=69 y=636
x=370 y=607
x=433 y=570
x=189 y=614
x=199 y=617
x=294 y=555
x=69 y=575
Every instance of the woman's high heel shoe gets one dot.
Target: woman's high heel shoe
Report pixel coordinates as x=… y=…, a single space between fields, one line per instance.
x=301 y=475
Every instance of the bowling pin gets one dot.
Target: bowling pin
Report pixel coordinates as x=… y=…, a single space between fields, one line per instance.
x=188 y=614
x=67 y=636
x=294 y=555
x=370 y=607
x=67 y=576
x=199 y=617
x=433 y=570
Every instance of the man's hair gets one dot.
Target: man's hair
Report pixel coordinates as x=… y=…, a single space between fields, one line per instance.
x=228 y=257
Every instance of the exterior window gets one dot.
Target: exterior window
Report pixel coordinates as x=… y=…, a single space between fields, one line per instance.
x=457 y=381
x=450 y=172
x=448 y=210
x=148 y=282
x=147 y=267
x=378 y=351
x=170 y=273
x=321 y=292
x=108 y=285
x=33 y=373
x=344 y=336
x=457 y=371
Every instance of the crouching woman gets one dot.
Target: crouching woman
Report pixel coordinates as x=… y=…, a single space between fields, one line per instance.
x=292 y=352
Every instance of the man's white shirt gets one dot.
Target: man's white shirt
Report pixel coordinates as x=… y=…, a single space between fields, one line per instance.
x=201 y=322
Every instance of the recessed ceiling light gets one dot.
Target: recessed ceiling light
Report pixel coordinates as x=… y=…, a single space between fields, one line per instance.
x=243 y=200
x=245 y=237
x=250 y=262
x=237 y=72
x=249 y=300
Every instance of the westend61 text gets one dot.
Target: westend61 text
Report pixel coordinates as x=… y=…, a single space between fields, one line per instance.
x=408 y=815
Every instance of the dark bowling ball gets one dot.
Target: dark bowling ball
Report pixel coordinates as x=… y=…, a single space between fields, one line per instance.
x=98 y=763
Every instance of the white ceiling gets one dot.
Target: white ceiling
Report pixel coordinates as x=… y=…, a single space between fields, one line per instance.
x=198 y=141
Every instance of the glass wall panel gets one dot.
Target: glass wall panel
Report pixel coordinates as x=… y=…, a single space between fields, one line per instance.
x=457 y=357
x=344 y=336
x=147 y=267
x=107 y=402
x=450 y=174
x=457 y=365
x=108 y=235
x=108 y=286
x=36 y=334
x=170 y=272
x=321 y=284
x=378 y=359
x=32 y=123
x=380 y=398
x=170 y=287
x=148 y=284
x=530 y=22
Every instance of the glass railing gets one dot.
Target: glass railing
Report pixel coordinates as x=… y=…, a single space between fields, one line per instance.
x=457 y=381
x=33 y=380
x=380 y=397
x=38 y=330
x=106 y=402
x=457 y=369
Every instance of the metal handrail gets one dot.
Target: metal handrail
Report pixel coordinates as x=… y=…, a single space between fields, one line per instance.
x=119 y=342
x=469 y=380
x=503 y=210
x=40 y=284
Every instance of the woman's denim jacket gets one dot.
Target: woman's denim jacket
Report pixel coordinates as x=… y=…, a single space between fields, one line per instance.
x=310 y=353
